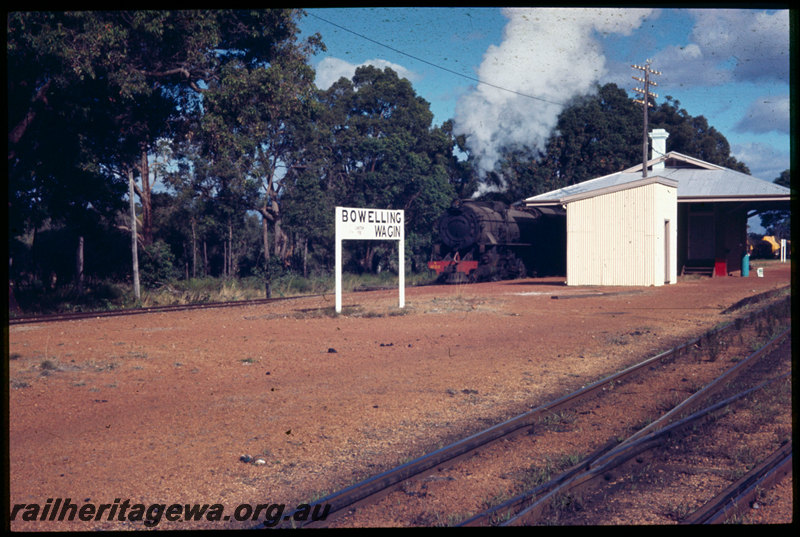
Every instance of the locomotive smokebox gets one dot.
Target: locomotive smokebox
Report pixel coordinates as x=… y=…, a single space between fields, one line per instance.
x=481 y=223
x=492 y=241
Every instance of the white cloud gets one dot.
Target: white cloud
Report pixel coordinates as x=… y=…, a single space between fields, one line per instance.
x=764 y=161
x=730 y=45
x=766 y=114
x=330 y=69
x=756 y=41
x=551 y=54
x=688 y=66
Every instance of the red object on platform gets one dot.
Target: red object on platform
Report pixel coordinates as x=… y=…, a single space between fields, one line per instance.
x=720 y=268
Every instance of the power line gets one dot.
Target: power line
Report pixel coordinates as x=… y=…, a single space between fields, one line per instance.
x=479 y=81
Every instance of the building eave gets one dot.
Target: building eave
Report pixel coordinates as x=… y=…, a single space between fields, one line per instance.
x=617 y=188
x=676 y=156
x=714 y=199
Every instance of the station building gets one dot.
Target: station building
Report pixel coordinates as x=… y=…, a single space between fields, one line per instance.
x=682 y=215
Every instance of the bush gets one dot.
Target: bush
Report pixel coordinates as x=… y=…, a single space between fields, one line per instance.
x=157 y=265
x=762 y=250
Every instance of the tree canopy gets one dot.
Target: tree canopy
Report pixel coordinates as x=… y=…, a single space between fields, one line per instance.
x=375 y=146
x=599 y=134
x=693 y=136
x=220 y=108
x=117 y=81
x=779 y=223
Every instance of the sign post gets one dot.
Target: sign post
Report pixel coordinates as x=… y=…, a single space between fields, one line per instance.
x=370 y=224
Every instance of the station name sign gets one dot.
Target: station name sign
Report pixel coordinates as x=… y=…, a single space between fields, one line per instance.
x=369 y=224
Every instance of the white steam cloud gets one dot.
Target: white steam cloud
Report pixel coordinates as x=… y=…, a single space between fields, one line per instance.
x=548 y=53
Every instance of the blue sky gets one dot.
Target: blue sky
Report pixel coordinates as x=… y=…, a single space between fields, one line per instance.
x=730 y=66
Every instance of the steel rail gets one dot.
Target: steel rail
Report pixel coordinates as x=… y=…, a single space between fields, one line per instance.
x=374 y=487
x=78 y=315
x=739 y=495
x=383 y=483
x=524 y=499
x=715 y=386
x=616 y=450
x=604 y=467
x=70 y=316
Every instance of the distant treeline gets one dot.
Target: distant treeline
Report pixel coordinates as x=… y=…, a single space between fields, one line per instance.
x=236 y=159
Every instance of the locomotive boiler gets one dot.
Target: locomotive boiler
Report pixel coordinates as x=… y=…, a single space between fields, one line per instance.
x=489 y=241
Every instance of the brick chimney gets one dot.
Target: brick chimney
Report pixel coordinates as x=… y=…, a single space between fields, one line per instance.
x=658 y=146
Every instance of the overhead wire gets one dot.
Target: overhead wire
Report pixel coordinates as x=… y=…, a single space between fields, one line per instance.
x=477 y=80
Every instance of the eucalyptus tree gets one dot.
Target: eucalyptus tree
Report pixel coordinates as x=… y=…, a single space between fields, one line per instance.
x=693 y=136
x=594 y=135
x=251 y=135
x=461 y=163
x=382 y=151
x=779 y=223
x=599 y=134
x=132 y=59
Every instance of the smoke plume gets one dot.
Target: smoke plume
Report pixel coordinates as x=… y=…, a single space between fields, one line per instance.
x=550 y=54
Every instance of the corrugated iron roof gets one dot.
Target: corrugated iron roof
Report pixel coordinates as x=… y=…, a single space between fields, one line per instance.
x=693 y=184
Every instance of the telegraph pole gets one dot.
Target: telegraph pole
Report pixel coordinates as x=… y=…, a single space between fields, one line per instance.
x=645 y=102
x=134 y=236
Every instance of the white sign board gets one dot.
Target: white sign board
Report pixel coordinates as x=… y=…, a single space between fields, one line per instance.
x=369 y=224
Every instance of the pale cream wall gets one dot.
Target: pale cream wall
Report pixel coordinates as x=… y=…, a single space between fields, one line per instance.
x=618 y=238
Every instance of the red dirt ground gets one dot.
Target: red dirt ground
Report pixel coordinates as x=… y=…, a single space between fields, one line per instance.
x=159 y=408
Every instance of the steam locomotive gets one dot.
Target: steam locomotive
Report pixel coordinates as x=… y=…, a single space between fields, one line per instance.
x=490 y=241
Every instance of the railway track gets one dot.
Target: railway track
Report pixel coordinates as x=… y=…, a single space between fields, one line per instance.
x=740 y=495
x=73 y=316
x=78 y=315
x=621 y=462
x=417 y=478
